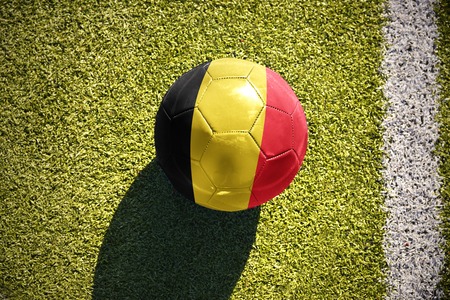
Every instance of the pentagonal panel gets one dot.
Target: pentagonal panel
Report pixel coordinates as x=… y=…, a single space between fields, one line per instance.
x=277 y=173
x=230 y=67
x=230 y=105
x=278 y=132
x=230 y=160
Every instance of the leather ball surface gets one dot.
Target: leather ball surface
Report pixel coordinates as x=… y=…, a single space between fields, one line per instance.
x=230 y=134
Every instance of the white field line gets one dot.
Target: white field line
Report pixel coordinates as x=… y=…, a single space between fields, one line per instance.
x=412 y=237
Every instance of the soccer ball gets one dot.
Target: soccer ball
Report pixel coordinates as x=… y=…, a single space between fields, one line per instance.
x=230 y=134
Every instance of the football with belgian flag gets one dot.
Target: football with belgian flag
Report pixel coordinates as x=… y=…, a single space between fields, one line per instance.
x=230 y=134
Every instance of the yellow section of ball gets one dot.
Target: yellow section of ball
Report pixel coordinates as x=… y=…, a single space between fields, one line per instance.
x=231 y=101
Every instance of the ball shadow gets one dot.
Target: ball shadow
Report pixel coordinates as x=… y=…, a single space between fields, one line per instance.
x=161 y=246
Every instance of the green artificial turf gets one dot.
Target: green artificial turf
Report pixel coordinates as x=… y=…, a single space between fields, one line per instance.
x=443 y=149
x=85 y=211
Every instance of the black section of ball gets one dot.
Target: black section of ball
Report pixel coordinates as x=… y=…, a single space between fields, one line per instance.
x=173 y=129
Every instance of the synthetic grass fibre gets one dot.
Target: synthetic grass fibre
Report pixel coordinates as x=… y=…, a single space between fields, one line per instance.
x=80 y=85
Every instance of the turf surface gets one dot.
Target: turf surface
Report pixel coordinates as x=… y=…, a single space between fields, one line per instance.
x=443 y=149
x=84 y=209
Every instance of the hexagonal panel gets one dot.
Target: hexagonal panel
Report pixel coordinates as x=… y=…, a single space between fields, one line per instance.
x=180 y=132
x=275 y=176
x=202 y=186
x=201 y=134
x=279 y=94
x=258 y=80
x=258 y=127
x=183 y=93
x=230 y=160
x=162 y=134
x=230 y=105
x=278 y=132
x=172 y=149
x=300 y=142
x=207 y=80
x=230 y=67
x=230 y=199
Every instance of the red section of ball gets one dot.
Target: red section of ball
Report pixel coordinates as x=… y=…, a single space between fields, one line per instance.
x=279 y=94
x=284 y=141
x=276 y=174
x=300 y=132
x=278 y=132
